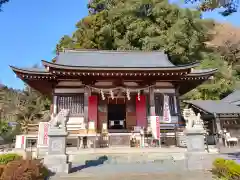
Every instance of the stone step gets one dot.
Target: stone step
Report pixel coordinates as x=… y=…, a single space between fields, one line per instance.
x=125 y=158
x=164 y=166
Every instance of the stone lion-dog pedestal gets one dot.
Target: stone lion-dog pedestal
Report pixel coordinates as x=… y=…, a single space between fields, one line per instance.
x=195 y=139
x=57 y=160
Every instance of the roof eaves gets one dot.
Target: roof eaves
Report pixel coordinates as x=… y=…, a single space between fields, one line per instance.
x=196 y=106
x=203 y=73
x=29 y=71
x=232 y=110
x=233 y=97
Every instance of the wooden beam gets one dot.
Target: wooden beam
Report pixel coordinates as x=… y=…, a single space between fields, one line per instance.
x=151 y=101
x=87 y=93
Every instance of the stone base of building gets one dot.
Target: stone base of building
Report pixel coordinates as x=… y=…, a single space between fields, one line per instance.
x=118 y=140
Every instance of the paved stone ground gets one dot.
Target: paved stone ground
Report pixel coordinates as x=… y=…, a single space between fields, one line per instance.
x=139 y=165
x=168 y=168
x=189 y=175
x=231 y=153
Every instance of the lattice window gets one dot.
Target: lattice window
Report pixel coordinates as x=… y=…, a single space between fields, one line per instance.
x=158 y=98
x=172 y=104
x=75 y=103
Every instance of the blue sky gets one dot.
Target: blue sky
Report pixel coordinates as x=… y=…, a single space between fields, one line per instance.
x=30 y=29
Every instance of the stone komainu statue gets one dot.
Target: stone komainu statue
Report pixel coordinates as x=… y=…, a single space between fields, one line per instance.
x=60 y=120
x=192 y=120
x=187 y=113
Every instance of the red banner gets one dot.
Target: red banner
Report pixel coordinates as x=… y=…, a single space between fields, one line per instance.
x=23 y=140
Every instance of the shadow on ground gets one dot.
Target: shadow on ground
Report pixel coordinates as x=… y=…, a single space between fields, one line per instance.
x=90 y=163
x=234 y=156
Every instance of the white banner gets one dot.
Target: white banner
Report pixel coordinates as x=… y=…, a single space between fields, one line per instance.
x=20 y=142
x=155 y=126
x=43 y=134
x=166 y=110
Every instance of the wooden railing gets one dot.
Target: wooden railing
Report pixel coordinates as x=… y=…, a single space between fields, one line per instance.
x=33 y=129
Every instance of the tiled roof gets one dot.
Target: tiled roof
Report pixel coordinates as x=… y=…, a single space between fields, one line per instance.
x=233 y=97
x=218 y=107
x=114 y=59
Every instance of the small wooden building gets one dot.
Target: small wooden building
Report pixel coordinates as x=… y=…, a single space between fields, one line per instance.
x=219 y=114
x=120 y=88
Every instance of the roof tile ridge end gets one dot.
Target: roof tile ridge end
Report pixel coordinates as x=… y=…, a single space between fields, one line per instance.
x=109 y=51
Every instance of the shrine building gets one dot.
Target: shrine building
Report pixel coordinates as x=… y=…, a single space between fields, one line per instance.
x=118 y=88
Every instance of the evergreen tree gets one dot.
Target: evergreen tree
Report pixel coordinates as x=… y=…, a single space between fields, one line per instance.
x=149 y=25
x=24 y=107
x=143 y=25
x=2 y=2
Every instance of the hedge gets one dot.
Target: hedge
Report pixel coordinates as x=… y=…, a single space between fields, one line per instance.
x=6 y=158
x=226 y=169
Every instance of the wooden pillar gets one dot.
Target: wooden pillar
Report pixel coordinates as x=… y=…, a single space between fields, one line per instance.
x=93 y=109
x=78 y=142
x=54 y=99
x=54 y=104
x=87 y=93
x=218 y=129
x=177 y=104
x=151 y=101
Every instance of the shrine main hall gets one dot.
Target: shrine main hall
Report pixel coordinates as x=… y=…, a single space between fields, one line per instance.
x=119 y=90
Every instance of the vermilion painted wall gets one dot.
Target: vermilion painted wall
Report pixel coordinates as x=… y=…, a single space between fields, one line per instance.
x=141 y=111
x=93 y=109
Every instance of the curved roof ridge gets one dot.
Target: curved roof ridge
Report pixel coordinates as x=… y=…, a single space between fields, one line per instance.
x=30 y=70
x=196 y=72
x=111 y=51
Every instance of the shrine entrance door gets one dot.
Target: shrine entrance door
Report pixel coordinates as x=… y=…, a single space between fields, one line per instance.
x=116 y=114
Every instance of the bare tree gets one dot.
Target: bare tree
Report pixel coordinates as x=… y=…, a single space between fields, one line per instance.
x=226 y=41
